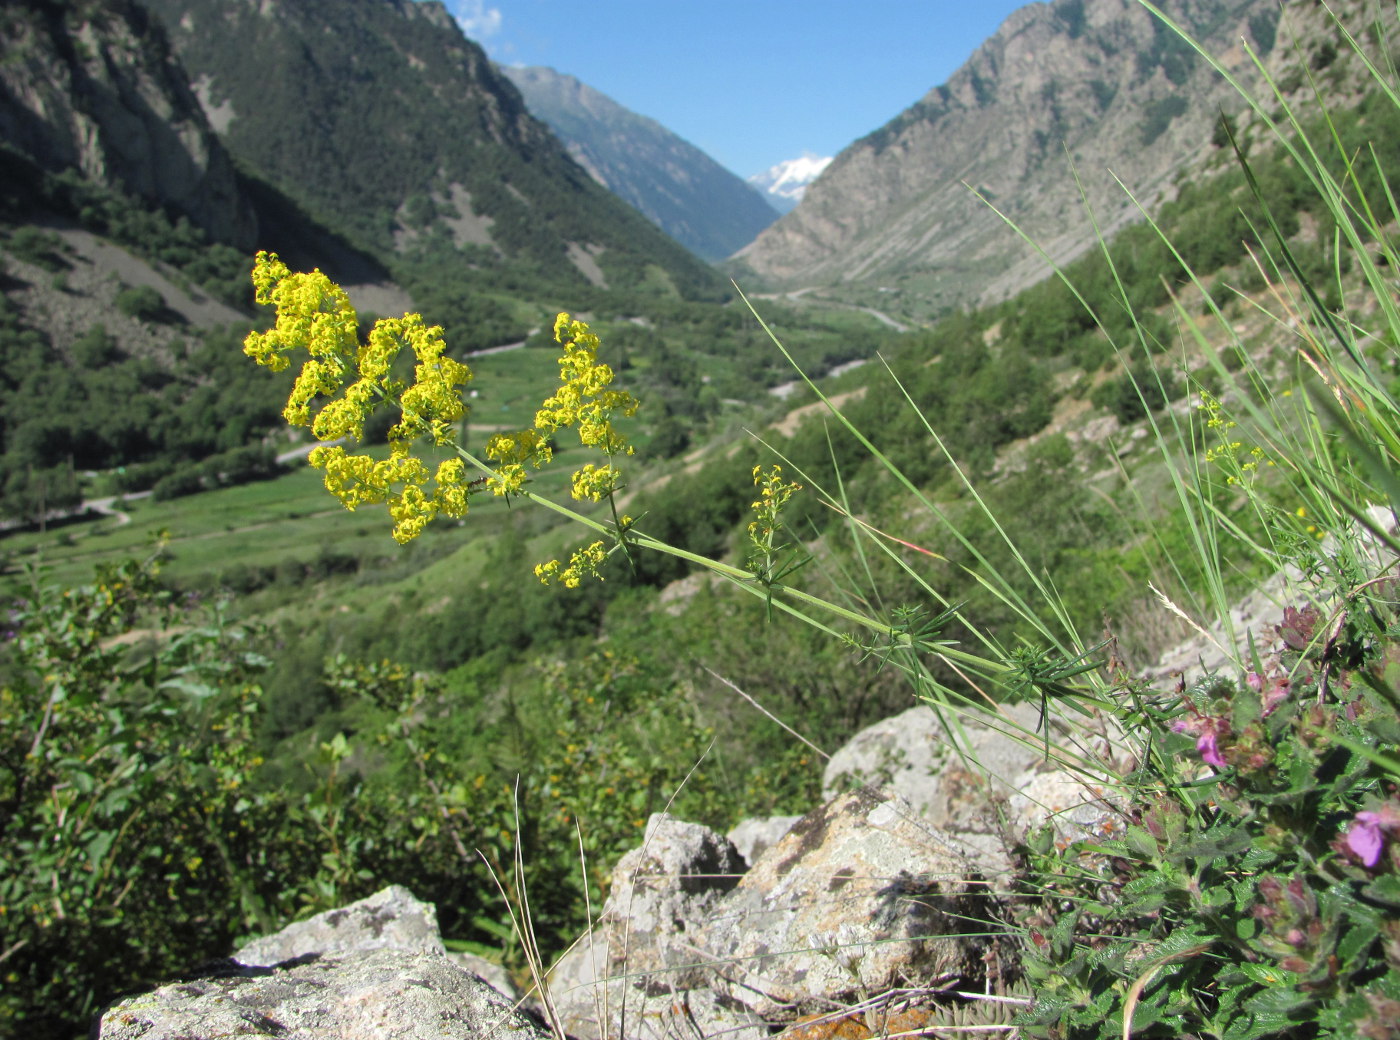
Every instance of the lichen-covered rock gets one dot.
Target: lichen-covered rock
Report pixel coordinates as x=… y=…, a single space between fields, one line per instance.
x=1076 y=806
x=953 y=780
x=755 y=836
x=392 y=918
x=859 y=897
x=987 y=777
x=642 y=947
x=359 y=995
x=488 y=972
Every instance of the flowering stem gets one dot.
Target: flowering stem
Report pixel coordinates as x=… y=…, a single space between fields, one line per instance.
x=742 y=577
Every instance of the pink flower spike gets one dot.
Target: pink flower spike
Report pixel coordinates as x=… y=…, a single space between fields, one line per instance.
x=1255 y=681
x=1210 y=751
x=1364 y=838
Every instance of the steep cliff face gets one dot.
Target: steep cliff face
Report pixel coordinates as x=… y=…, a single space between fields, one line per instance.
x=1100 y=82
x=679 y=188
x=92 y=87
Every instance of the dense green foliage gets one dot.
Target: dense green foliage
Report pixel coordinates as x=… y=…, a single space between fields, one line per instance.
x=153 y=830
x=101 y=409
x=1257 y=898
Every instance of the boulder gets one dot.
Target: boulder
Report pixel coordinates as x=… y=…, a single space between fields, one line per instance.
x=488 y=972
x=754 y=836
x=962 y=781
x=378 y=994
x=859 y=897
x=627 y=971
x=392 y=918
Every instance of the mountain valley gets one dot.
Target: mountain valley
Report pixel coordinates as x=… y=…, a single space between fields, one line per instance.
x=981 y=463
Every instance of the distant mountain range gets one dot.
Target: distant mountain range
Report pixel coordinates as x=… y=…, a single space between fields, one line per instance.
x=785 y=184
x=376 y=125
x=1064 y=89
x=675 y=185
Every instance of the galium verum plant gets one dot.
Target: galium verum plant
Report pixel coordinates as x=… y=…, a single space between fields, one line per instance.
x=342 y=381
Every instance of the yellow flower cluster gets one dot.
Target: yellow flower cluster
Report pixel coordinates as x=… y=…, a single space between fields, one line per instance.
x=584 y=401
x=343 y=380
x=510 y=452
x=1227 y=452
x=763 y=531
x=314 y=314
x=583 y=563
x=398 y=481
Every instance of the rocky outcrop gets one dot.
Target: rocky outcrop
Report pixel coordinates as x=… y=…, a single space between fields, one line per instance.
x=360 y=995
x=93 y=88
x=374 y=970
x=872 y=907
x=629 y=969
x=985 y=777
x=859 y=897
x=391 y=919
x=1101 y=83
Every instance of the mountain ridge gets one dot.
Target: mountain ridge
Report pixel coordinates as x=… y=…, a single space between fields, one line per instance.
x=899 y=208
x=381 y=118
x=677 y=186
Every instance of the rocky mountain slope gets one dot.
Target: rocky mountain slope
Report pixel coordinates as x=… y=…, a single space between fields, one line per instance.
x=92 y=88
x=381 y=118
x=1086 y=88
x=675 y=185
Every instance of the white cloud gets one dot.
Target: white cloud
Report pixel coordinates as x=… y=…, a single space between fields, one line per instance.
x=476 y=19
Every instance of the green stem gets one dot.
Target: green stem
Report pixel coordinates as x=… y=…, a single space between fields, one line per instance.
x=742 y=577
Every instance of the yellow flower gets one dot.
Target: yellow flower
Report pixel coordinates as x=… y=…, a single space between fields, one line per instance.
x=583 y=563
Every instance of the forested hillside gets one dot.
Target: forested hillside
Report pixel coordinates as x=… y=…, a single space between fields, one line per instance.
x=383 y=120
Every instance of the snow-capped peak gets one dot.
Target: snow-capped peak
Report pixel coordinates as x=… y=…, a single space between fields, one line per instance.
x=785 y=183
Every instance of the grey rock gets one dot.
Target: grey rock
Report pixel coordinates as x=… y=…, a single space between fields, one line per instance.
x=1076 y=806
x=980 y=776
x=358 y=995
x=641 y=947
x=392 y=918
x=488 y=972
x=859 y=897
x=948 y=778
x=753 y=837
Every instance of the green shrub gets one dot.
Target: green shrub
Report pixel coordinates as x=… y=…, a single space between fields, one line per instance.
x=141 y=302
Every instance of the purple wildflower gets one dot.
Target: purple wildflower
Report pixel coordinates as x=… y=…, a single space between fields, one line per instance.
x=1364 y=838
x=1210 y=751
x=1277 y=693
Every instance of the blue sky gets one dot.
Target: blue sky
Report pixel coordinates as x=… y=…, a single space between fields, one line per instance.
x=751 y=82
